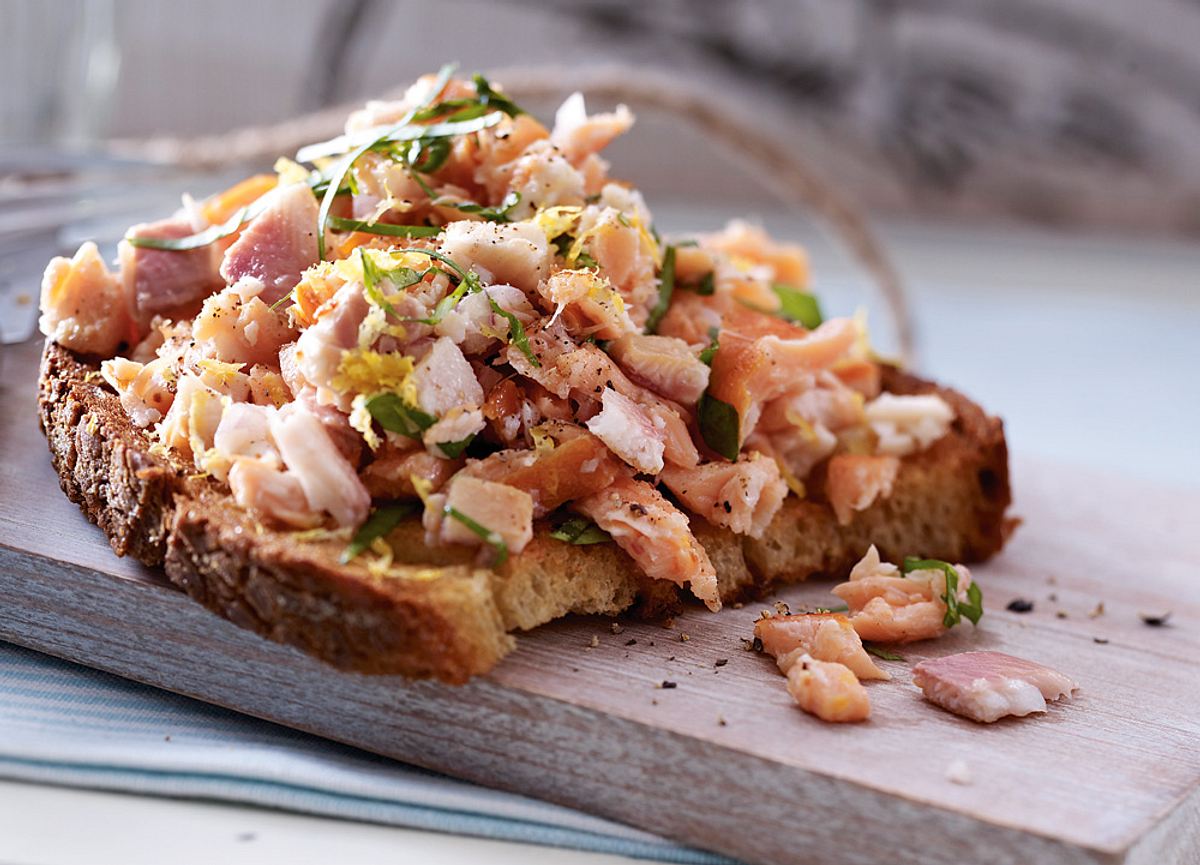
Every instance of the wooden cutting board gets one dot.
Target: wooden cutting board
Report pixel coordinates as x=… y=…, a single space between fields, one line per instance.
x=579 y=715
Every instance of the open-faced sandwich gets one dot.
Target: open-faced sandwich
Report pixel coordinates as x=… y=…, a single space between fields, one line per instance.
x=440 y=379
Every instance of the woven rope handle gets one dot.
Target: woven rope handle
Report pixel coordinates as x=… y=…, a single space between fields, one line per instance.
x=781 y=168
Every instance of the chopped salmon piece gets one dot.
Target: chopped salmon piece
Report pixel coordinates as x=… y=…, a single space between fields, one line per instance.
x=743 y=496
x=693 y=317
x=663 y=364
x=84 y=307
x=271 y=493
x=579 y=135
x=164 y=280
x=475 y=327
x=502 y=410
x=513 y=254
x=908 y=424
x=600 y=308
x=760 y=358
x=146 y=390
x=237 y=326
x=329 y=481
x=390 y=475
x=856 y=481
x=740 y=239
x=629 y=433
x=890 y=608
x=499 y=508
x=578 y=465
x=444 y=380
x=824 y=636
x=544 y=178
x=278 y=245
x=655 y=534
x=986 y=686
x=827 y=689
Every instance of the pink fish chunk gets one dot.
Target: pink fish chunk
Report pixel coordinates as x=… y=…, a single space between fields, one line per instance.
x=987 y=686
x=278 y=245
x=163 y=280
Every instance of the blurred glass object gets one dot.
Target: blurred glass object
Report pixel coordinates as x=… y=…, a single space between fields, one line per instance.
x=66 y=59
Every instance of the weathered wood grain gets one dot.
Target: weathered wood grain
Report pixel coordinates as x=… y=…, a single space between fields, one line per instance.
x=1113 y=776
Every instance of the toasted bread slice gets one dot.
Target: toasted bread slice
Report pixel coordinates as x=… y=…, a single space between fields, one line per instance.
x=433 y=612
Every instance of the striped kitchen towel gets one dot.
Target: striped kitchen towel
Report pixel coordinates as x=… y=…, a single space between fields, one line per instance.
x=65 y=724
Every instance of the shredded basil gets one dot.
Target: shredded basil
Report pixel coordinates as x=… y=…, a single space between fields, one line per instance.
x=402 y=133
x=489 y=537
x=516 y=331
x=344 y=166
x=372 y=275
x=381 y=521
x=338 y=223
x=665 y=289
x=425 y=154
x=394 y=415
x=203 y=238
x=798 y=306
x=468 y=283
x=714 y=337
x=971 y=608
x=454 y=450
x=563 y=244
x=707 y=285
x=720 y=426
x=493 y=99
x=492 y=214
x=882 y=653
x=580 y=531
x=485 y=99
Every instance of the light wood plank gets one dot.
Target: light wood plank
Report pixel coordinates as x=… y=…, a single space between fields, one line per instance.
x=1113 y=776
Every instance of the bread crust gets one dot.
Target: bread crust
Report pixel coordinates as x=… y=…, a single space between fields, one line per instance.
x=436 y=613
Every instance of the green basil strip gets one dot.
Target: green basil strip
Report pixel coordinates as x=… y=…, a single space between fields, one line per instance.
x=402 y=133
x=882 y=653
x=454 y=450
x=404 y=130
x=339 y=173
x=485 y=99
x=720 y=426
x=563 y=244
x=580 y=531
x=339 y=223
x=707 y=285
x=381 y=521
x=492 y=214
x=371 y=278
x=798 y=306
x=489 y=537
x=665 y=289
x=394 y=415
x=714 y=337
x=468 y=284
x=972 y=608
x=201 y=239
x=516 y=331
x=492 y=99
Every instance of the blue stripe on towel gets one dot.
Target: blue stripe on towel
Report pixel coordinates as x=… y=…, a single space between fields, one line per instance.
x=65 y=724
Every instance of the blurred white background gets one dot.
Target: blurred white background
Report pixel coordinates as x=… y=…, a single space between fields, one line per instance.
x=1061 y=111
